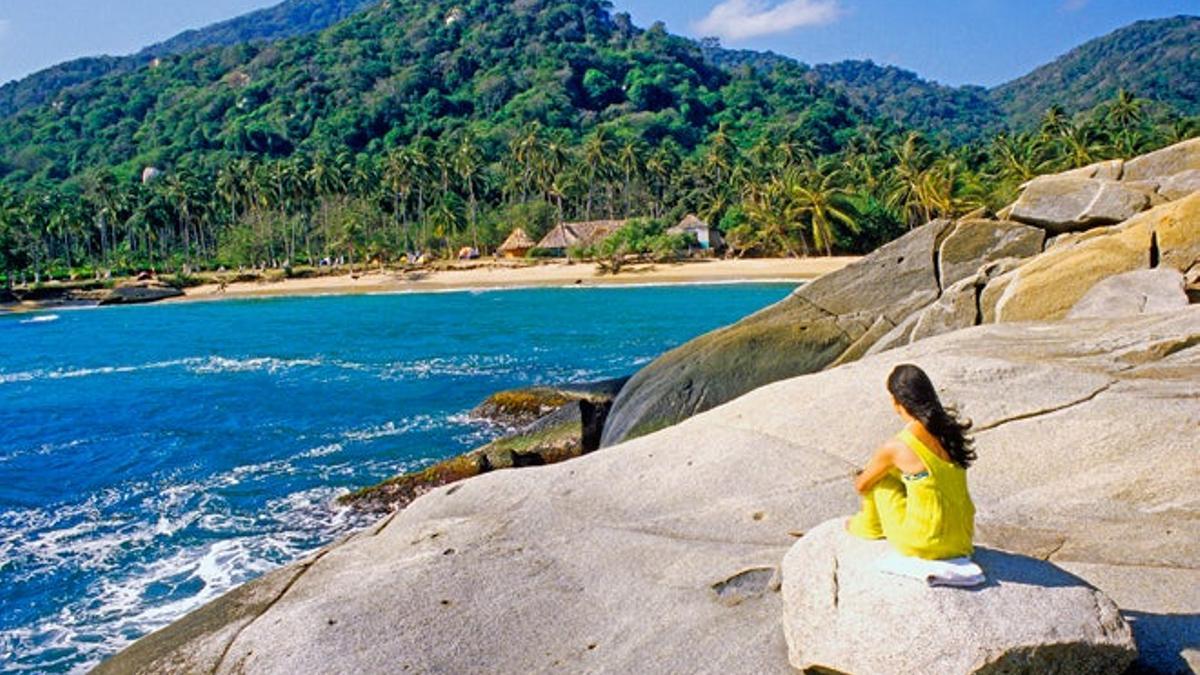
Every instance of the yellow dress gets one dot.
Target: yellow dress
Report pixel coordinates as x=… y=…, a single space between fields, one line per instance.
x=929 y=515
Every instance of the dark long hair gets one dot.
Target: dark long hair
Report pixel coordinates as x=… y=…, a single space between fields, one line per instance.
x=915 y=391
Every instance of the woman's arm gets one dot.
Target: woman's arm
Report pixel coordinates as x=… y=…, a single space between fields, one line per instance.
x=881 y=462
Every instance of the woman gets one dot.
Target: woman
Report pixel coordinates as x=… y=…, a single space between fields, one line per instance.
x=915 y=487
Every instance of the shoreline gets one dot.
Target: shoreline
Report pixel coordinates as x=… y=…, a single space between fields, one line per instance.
x=500 y=276
x=489 y=276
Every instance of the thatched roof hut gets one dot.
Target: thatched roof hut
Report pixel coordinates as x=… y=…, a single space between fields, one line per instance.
x=517 y=245
x=708 y=236
x=568 y=235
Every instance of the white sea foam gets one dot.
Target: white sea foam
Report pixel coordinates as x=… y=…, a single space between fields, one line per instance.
x=44 y=318
x=197 y=365
x=321 y=451
x=218 y=364
x=389 y=429
x=136 y=598
x=466 y=366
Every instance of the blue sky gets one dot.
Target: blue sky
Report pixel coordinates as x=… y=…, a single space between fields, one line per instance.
x=953 y=41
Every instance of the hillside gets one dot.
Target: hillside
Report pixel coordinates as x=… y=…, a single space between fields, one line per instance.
x=957 y=114
x=402 y=70
x=1158 y=60
x=287 y=19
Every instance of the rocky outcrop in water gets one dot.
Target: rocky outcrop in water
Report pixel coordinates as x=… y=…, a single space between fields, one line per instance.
x=521 y=407
x=555 y=424
x=842 y=614
x=139 y=292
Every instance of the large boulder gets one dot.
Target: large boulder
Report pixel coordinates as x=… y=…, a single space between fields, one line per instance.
x=977 y=242
x=804 y=333
x=1180 y=185
x=1068 y=203
x=957 y=308
x=841 y=614
x=1177 y=233
x=1133 y=293
x=1109 y=169
x=653 y=556
x=1047 y=286
x=1169 y=161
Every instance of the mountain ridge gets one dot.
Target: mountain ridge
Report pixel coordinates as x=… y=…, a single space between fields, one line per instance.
x=286 y=19
x=954 y=113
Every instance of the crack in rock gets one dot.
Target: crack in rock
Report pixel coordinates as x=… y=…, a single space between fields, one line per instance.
x=745 y=585
x=1045 y=411
x=304 y=568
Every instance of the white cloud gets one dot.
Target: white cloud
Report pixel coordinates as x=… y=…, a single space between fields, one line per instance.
x=5 y=24
x=741 y=19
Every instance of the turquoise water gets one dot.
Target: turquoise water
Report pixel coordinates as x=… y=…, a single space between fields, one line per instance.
x=151 y=458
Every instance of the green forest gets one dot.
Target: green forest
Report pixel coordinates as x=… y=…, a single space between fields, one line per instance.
x=422 y=127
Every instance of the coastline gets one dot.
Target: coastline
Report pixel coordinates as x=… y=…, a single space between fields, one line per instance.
x=506 y=275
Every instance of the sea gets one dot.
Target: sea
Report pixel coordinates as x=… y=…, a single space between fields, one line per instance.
x=154 y=457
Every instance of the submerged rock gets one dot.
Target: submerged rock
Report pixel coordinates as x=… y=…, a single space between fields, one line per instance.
x=841 y=614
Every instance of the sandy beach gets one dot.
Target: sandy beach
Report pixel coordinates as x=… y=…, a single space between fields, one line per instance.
x=517 y=275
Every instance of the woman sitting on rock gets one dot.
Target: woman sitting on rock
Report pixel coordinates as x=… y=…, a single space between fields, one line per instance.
x=915 y=486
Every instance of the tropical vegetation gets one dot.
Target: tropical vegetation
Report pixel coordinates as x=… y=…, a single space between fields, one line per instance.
x=419 y=128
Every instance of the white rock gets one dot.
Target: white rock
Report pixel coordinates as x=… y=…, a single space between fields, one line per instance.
x=841 y=613
x=1133 y=293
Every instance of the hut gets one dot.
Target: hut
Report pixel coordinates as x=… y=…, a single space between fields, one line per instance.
x=565 y=236
x=517 y=245
x=708 y=237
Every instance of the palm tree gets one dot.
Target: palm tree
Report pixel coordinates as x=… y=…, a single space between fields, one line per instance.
x=912 y=158
x=525 y=151
x=1021 y=157
x=816 y=197
x=632 y=162
x=596 y=158
x=446 y=218
x=661 y=167
x=102 y=191
x=179 y=188
x=720 y=154
x=1125 y=112
x=550 y=165
x=766 y=206
x=1125 y=109
x=468 y=164
x=1081 y=143
x=1054 y=120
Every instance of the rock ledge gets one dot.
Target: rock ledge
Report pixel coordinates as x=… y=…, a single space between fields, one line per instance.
x=841 y=613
